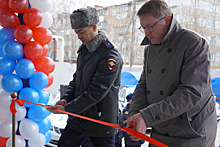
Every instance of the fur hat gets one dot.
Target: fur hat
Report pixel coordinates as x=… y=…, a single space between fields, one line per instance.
x=84 y=17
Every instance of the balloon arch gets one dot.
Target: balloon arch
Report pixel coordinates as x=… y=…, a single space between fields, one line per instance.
x=25 y=69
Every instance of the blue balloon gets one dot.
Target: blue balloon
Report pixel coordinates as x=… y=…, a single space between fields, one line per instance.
x=11 y=83
x=38 y=81
x=50 y=104
x=37 y=113
x=48 y=137
x=44 y=125
x=7 y=66
x=13 y=50
x=43 y=97
x=6 y=35
x=24 y=68
x=30 y=95
x=1 y=51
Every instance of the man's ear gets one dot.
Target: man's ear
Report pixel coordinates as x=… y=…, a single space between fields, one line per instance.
x=167 y=19
x=94 y=27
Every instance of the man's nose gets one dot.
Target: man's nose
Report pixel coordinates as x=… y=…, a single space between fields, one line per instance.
x=79 y=36
x=147 y=32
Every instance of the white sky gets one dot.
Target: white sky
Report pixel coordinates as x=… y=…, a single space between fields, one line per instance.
x=106 y=2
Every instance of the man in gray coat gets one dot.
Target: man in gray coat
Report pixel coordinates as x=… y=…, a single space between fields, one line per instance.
x=174 y=95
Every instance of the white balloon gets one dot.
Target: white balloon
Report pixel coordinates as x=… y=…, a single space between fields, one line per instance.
x=19 y=141
x=6 y=128
x=0 y=82
x=28 y=129
x=42 y=5
x=38 y=141
x=20 y=114
x=47 y=20
x=5 y=99
x=3 y=114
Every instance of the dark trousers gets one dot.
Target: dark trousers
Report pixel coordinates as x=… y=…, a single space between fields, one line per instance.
x=132 y=145
x=73 y=138
x=118 y=144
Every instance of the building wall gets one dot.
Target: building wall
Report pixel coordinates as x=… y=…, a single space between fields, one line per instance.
x=202 y=16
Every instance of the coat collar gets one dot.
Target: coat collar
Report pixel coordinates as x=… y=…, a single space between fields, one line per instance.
x=95 y=42
x=174 y=27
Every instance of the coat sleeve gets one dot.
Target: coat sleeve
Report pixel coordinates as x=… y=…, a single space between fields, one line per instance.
x=193 y=87
x=100 y=85
x=139 y=98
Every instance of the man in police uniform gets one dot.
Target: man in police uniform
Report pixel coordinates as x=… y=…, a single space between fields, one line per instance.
x=93 y=92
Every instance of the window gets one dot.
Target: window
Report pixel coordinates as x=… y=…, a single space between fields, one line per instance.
x=66 y=43
x=122 y=8
x=217 y=25
x=212 y=56
x=70 y=43
x=218 y=9
x=64 y=21
x=206 y=6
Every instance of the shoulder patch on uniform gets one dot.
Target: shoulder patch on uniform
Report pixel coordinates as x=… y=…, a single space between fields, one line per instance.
x=111 y=63
x=107 y=43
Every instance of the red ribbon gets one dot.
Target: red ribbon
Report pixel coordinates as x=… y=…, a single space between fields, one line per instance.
x=12 y=107
x=128 y=130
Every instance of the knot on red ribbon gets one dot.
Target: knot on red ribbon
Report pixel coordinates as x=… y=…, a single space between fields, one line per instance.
x=12 y=105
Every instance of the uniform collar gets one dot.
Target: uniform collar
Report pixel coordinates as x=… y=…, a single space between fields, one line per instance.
x=174 y=27
x=96 y=41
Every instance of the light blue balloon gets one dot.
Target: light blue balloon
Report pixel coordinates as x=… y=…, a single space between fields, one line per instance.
x=43 y=97
x=6 y=35
x=37 y=113
x=50 y=104
x=44 y=125
x=48 y=137
x=1 y=51
x=13 y=50
x=11 y=83
x=30 y=95
x=7 y=66
x=24 y=68
x=38 y=81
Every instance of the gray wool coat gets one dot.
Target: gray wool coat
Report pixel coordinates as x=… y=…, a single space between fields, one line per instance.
x=174 y=95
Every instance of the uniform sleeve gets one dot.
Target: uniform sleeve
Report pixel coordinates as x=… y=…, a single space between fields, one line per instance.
x=107 y=71
x=194 y=83
x=139 y=98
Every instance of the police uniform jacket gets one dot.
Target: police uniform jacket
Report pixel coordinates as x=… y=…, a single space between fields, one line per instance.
x=174 y=95
x=93 y=92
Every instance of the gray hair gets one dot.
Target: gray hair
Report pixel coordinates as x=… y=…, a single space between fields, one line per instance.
x=157 y=8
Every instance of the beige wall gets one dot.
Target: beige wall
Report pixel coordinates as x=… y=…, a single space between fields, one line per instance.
x=115 y=22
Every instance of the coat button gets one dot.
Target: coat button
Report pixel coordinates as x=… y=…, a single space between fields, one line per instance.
x=169 y=50
x=149 y=71
x=148 y=91
x=161 y=92
x=163 y=70
x=157 y=118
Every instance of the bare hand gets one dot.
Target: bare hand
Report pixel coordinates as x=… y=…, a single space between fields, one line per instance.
x=52 y=109
x=61 y=102
x=138 y=124
x=59 y=105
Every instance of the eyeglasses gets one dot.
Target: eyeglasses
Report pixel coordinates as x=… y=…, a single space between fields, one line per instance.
x=149 y=28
